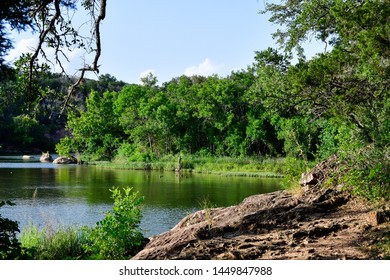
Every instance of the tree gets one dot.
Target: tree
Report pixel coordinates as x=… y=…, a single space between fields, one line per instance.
x=346 y=91
x=52 y=20
x=352 y=81
x=14 y=14
x=95 y=131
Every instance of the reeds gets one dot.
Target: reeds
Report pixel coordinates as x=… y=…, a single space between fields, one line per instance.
x=49 y=243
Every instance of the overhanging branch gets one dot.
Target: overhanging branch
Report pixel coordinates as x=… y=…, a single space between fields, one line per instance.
x=94 y=67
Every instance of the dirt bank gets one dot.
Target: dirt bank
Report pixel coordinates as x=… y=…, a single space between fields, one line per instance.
x=316 y=223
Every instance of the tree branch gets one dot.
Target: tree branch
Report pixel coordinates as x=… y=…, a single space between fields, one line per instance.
x=95 y=67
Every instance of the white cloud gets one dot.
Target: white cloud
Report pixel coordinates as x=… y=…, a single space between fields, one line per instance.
x=23 y=46
x=206 y=68
x=76 y=57
x=147 y=72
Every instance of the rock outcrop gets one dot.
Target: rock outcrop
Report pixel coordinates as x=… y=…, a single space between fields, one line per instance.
x=320 y=172
x=318 y=223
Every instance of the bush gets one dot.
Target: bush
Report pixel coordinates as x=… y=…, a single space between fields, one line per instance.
x=367 y=172
x=117 y=236
x=9 y=244
x=128 y=152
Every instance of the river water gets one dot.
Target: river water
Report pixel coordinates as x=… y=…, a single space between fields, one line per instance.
x=50 y=195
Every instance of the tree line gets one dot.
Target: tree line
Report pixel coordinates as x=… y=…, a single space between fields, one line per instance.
x=35 y=122
x=337 y=102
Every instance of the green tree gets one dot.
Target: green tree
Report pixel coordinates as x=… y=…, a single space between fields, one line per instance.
x=347 y=86
x=186 y=126
x=350 y=82
x=14 y=14
x=107 y=82
x=56 y=29
x=96 y=131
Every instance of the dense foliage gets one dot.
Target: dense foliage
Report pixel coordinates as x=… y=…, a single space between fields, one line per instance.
x=15 y=15
x=344 y=91
x=335 y=103
x=188 y=114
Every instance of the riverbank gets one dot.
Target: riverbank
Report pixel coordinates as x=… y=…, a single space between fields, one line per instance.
x=312 y=223
x=225 y=166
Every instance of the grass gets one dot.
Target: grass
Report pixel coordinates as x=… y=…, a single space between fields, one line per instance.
x=62 y=243
x=117 y=236
x=226 y=166
x=206 y=205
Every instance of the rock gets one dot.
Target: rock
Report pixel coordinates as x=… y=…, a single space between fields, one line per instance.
x=379 y=217
x=65 y=160
x=319 y=173
x=277 y=225
x=307 y=179
x=27 y=157
x=46 y=157
x=266 y=215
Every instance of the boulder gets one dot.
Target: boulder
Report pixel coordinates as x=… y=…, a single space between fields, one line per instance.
x=65 y=160
x=27 y=157
x=378 y=217
x=46 y=157
x=308 y=179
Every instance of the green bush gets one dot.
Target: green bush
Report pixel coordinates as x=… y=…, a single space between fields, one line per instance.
x=367 y=172
x=117 y=236
x=130 y=153
x=293 y=171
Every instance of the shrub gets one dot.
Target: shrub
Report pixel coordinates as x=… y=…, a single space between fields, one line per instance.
x=366 y=172
x=9 y=244
x=129 y=153
x=117 y=236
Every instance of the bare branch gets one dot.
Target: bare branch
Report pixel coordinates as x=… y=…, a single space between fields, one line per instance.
x=43 y=34
x=58 y=33
x=95 y=67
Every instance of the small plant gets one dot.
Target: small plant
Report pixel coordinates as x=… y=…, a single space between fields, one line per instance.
x=206 y=205
x=117 y=236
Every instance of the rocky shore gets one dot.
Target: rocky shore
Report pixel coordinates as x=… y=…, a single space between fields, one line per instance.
x=315 y=223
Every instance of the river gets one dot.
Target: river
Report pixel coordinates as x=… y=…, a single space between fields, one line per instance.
x=46 y=194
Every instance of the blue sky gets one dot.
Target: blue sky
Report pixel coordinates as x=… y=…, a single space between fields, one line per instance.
x=174 y=37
